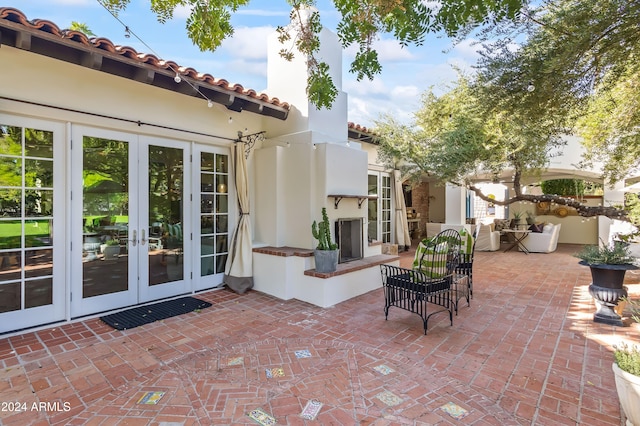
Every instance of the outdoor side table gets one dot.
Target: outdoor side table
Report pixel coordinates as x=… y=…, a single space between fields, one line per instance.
x=517 y=236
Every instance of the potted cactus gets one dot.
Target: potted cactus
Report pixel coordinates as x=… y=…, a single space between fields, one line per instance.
x=326 y=252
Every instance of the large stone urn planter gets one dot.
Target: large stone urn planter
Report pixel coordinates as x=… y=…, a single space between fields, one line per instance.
x=607 y=290
x=628 y=387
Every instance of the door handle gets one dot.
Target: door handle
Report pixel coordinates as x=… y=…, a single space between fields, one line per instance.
x=134 y=241
x=143 y=240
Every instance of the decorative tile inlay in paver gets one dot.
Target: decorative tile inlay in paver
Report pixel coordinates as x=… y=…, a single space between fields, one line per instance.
x=454 y=410
x=383 y=369
x=238 y=360
x=311 y=410
x=389 y=398
x=150 y=398
x=274 y=372
x=261 y=417
x=303 y=354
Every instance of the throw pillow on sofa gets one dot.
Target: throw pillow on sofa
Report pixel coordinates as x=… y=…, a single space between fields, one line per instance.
x=536 y=227
x=501 y=224
x=548 y=228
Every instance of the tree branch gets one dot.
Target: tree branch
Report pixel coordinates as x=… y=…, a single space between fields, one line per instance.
x=584 y=211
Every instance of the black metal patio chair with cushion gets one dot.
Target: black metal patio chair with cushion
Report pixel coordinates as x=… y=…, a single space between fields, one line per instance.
x=429 y=288
x=465 y=267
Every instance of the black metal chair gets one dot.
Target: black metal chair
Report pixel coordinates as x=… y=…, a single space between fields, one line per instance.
x=465 y=268
x=429 y=285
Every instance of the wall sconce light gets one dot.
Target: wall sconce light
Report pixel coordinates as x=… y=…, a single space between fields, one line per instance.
x=222 y=188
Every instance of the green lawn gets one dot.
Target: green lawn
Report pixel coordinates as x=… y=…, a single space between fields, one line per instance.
x=34 y=230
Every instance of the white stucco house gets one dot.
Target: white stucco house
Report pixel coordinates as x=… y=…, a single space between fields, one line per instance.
x=118 y=186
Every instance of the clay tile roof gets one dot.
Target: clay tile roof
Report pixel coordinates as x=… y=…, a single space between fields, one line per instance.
x=361 y=133
x=9 y=17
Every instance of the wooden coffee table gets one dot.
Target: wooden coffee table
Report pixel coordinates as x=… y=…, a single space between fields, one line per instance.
x=516 y=236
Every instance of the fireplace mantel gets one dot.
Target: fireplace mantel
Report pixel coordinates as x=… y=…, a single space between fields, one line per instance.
x=338 y=197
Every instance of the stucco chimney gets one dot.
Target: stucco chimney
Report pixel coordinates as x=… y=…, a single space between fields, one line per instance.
x=287 y=80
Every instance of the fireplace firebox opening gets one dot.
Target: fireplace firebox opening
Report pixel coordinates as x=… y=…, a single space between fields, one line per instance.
x=349 y=238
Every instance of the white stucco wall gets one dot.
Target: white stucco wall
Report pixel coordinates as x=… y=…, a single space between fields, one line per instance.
x=294 y=181
x=455 y=209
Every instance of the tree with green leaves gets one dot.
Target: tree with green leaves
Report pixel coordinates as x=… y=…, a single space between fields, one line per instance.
x=362 y=21
x=460 y=138
x=582 y=58
x=564 y=67
x=82 y=27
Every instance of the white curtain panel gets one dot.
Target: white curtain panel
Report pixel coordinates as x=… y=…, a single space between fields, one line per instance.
x=402 y=226
x=238 y=272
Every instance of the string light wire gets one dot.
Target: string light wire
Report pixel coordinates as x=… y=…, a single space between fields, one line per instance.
x=129 y=32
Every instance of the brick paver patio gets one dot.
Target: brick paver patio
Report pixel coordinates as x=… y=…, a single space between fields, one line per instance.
x=525 y=352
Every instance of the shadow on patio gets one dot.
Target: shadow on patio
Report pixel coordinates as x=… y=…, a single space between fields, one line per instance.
x=525 y=352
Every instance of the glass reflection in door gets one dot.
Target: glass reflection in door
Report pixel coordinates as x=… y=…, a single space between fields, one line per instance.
x=372 y=204
x=166 y=215
x=214 y=213
x=26 y=218
x=105 y=207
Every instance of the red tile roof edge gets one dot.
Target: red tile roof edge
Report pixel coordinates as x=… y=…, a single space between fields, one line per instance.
x=16 y=16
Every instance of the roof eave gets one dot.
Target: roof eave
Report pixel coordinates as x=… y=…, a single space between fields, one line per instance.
x=75 y=48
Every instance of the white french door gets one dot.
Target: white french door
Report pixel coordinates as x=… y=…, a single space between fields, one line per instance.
x=32 y=217
x=130 y=222
x=379 y=209
x=213 y=214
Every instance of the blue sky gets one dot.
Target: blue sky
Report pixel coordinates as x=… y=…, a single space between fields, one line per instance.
x=406 y=74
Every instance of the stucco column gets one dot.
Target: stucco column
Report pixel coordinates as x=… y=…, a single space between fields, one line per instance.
x=455 y=207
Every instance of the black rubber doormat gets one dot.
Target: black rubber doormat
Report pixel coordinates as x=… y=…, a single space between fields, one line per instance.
x=141 y=315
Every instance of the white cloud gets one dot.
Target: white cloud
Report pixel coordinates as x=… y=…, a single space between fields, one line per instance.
x=364 y=87
x=369 y=100
x=389 y=50
x=72 y=2
x=405 y=92
x=468 y=50
x=248 y=43
x=365 y=111
x=181 y=12
x=262 y=12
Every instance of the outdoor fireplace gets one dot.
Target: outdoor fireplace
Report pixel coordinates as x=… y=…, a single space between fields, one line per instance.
x=349 y=239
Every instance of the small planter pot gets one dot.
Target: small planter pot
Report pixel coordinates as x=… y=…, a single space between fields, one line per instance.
x=326 y=260
x=111 y=252
x=628 y=387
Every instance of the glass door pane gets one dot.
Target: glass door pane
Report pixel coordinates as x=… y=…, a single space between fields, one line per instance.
x=105 y=222
x=214 y=211
x=103 y=215
x=385 y=199
x=372 y=218
x=166 y=215
x=26 y=218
